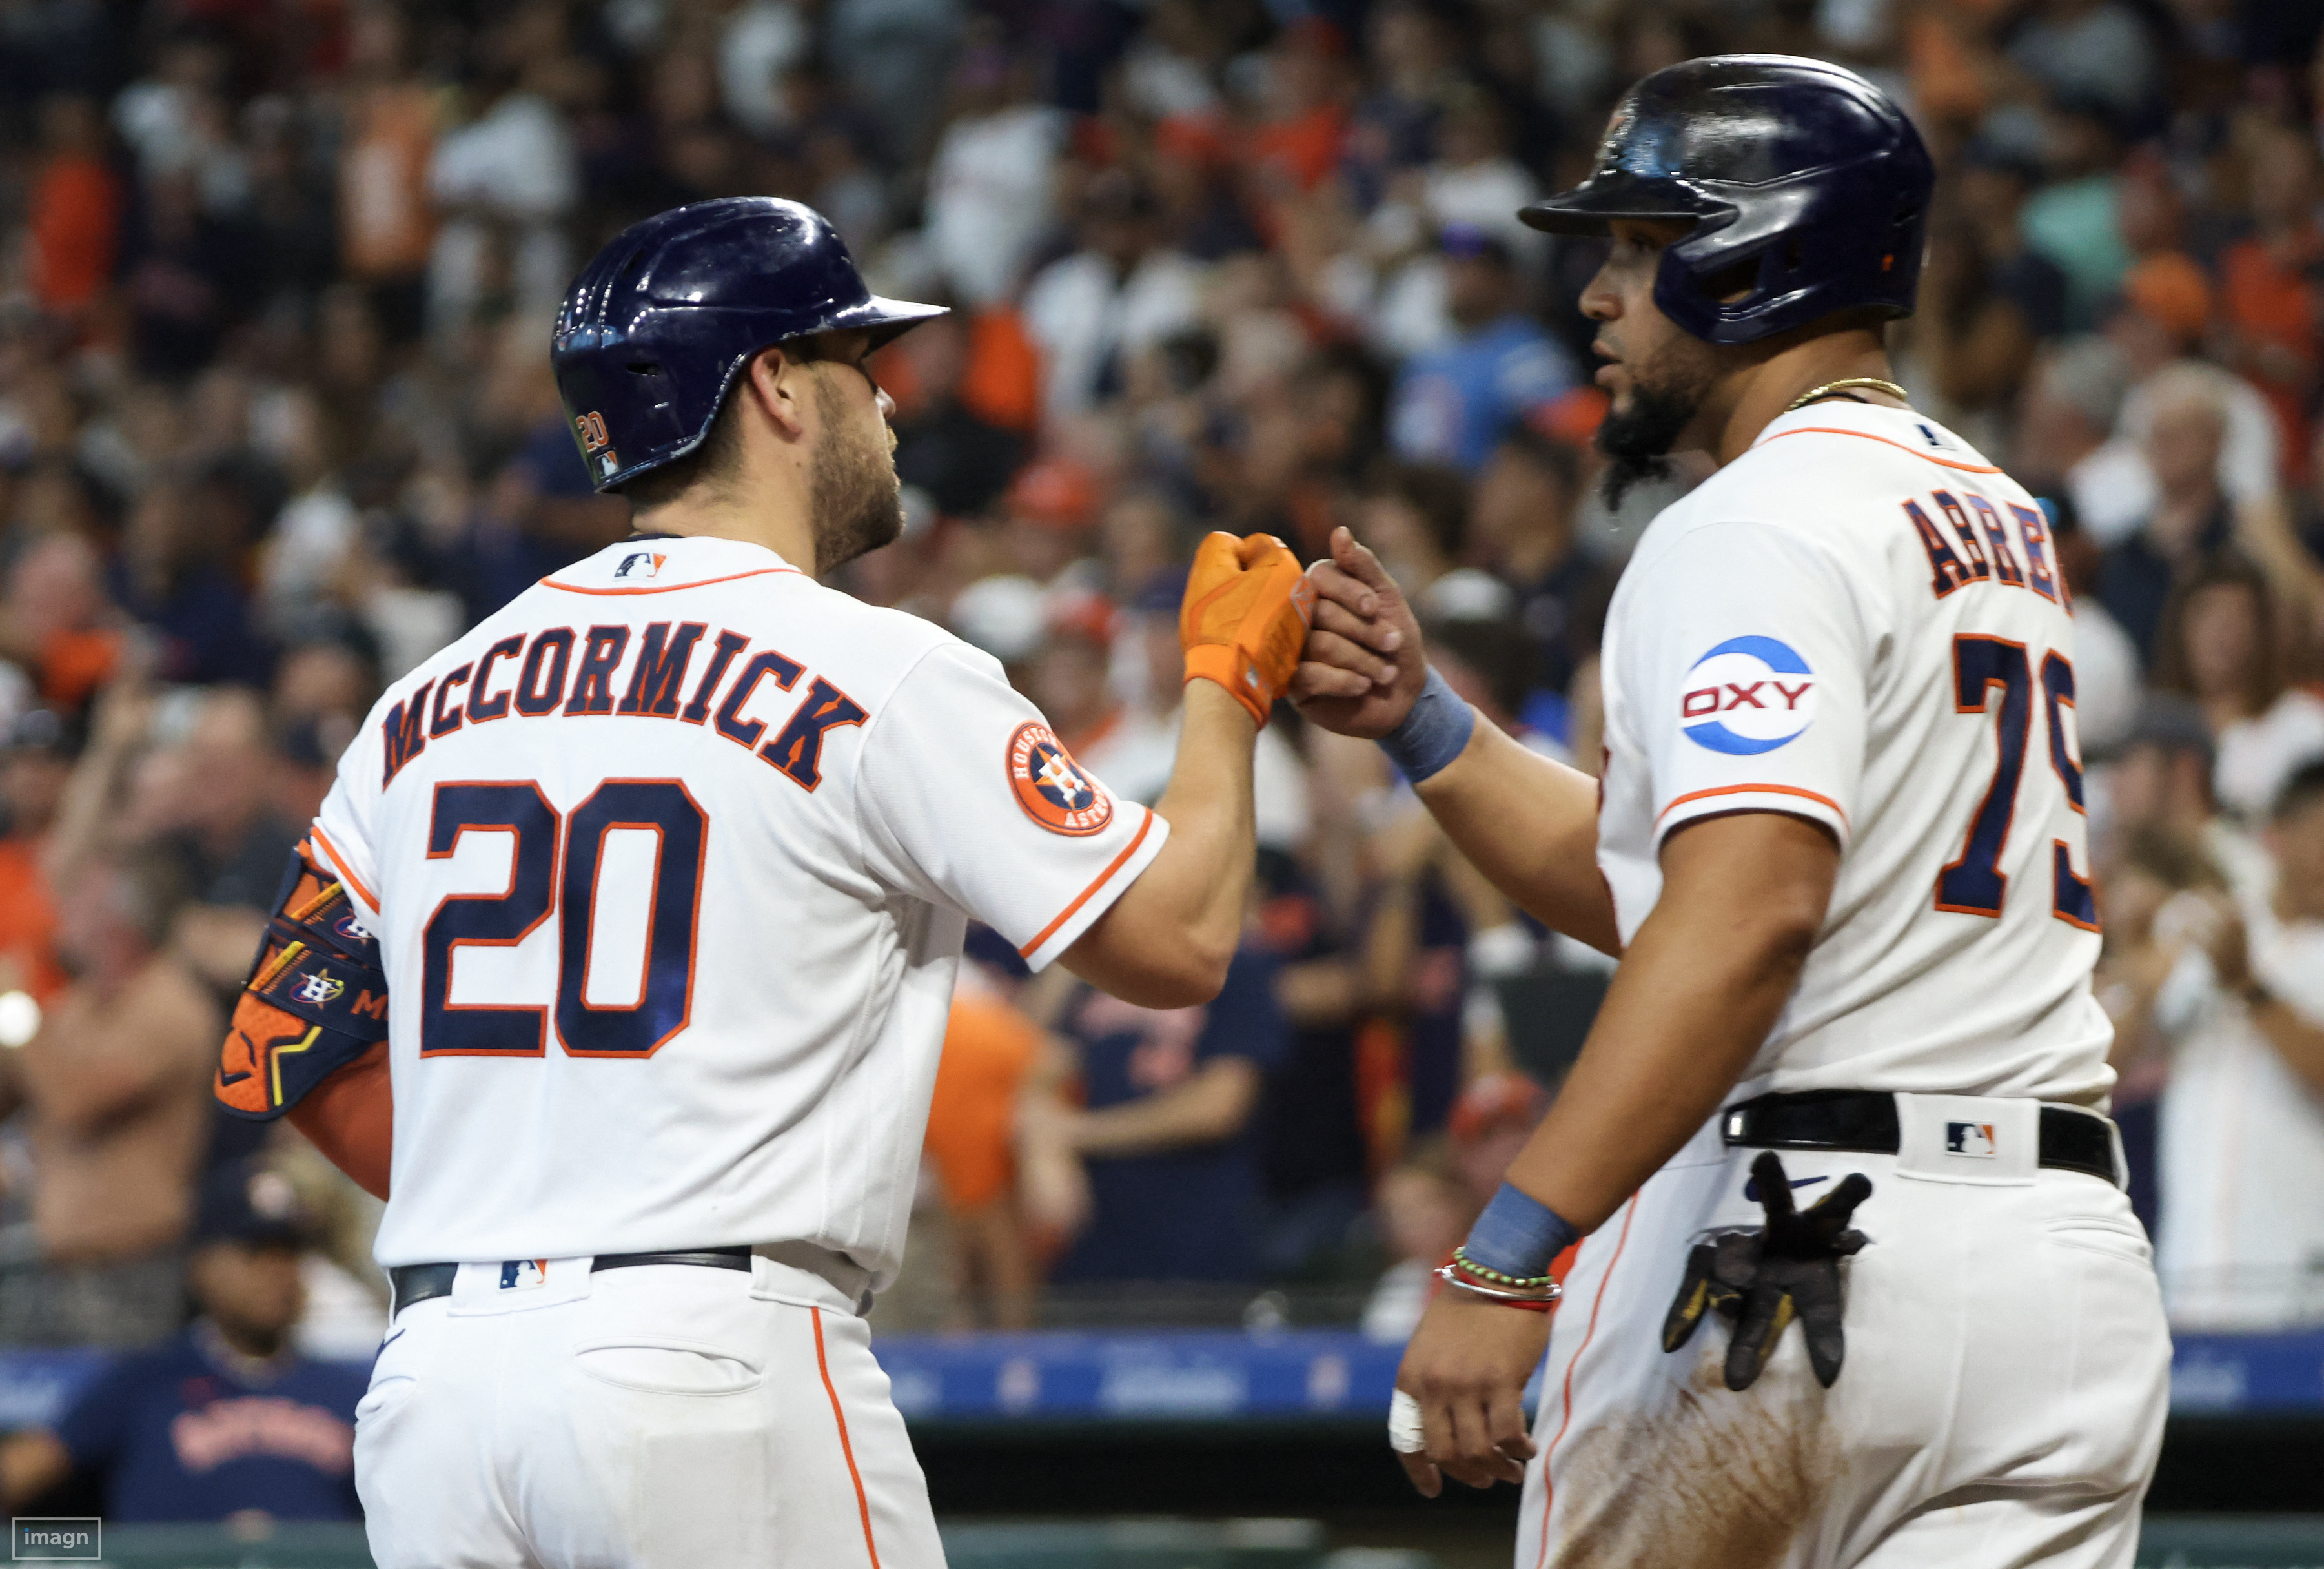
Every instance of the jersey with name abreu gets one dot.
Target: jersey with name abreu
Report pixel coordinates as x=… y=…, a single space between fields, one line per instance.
x=671 y=860
x=1863 y=622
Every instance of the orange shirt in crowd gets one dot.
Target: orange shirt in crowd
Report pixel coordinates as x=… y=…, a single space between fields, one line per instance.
x=28 y=924
x=76 y=224
x=2269 y=296
x=383 y=209
x=74 y=664
x=1002 y=385
x=989 y=1047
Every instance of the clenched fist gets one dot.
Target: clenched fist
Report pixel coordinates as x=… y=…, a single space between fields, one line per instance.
x=1245 y=616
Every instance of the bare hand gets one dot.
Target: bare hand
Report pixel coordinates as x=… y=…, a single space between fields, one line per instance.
x=2229 y=949
x=1363 y=664
x=1467 y=1366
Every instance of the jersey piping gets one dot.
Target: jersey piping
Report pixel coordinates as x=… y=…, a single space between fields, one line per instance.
x=1867 y=436
x=668 y=587
x=1103 y=878
x=1751 y=789
x=340 y=860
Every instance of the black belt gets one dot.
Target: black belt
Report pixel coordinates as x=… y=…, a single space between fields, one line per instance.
x=1864 y=1122
x=418 y=1282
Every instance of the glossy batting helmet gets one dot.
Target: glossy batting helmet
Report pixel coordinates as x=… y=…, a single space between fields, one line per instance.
x=1807 y=187
x=655 y=327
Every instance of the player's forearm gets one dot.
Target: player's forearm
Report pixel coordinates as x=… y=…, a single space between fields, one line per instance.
x=1531 y=826
x=1698 y=991
x=1166 y=942
x=350 y=1117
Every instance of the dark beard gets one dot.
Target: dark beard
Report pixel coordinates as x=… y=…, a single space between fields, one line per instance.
x=1637 y=441
x=856 y=505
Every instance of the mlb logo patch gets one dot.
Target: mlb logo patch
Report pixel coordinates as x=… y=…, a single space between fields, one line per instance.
x=1971 y=1138
x=524 y=1274
x=640 y=563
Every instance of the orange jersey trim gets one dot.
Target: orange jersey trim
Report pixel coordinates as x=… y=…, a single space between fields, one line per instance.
x=670 y=588
x=1066 y=914
x=863 y=1504
x=1867 y=436
x=1548 y=1491
x=1752 y=790
x=339 y=861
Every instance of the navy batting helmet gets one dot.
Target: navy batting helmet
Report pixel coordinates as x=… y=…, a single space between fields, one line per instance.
x=1807 y=188
x=654 y=329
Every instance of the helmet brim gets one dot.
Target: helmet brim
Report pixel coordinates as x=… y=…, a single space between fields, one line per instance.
x=885 y=320
x=1592 y=207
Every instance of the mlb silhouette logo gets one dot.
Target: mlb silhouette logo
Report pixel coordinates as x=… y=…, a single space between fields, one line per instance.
x=524 y=1274
x=640 y=563
x=1973 y=1139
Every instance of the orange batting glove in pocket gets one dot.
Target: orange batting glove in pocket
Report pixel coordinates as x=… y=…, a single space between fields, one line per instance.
x=1245 y=616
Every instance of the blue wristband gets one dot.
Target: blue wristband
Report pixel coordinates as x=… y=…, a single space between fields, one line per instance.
x=1518 y=1235
x=1433 y=733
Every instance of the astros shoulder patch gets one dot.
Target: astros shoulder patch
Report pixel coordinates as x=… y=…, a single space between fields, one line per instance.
x=1051 y=787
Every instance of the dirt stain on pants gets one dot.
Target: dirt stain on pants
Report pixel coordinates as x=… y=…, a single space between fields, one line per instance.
x=1708 y=1477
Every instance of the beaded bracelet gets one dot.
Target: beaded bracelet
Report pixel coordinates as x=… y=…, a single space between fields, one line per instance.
x=1454 y=1275
x=1516 y=1282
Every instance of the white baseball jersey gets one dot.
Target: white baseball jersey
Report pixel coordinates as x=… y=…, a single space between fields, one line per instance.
x=2241 y=1241
x=1861 y=622
x=671 y=860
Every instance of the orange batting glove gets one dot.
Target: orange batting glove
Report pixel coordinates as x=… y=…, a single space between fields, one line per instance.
x=1245 y=617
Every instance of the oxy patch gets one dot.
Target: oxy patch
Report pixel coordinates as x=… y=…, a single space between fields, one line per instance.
x=1747 y=696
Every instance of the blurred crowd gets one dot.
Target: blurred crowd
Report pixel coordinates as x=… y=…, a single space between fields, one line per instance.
x=277 y=421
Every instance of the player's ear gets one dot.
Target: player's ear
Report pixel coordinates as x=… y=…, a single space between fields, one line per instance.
x=779 y=384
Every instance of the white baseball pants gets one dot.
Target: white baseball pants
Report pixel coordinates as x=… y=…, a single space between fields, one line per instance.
x=661 y=1417
x=2001 y=1404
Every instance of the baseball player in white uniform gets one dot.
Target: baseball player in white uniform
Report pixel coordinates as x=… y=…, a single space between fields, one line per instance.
x=666 y=867
x=1840 y=850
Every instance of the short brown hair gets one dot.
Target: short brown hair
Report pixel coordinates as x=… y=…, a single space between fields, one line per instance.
x=720 y=452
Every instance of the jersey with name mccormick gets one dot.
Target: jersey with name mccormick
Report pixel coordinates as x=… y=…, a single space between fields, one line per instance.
x=669 y=861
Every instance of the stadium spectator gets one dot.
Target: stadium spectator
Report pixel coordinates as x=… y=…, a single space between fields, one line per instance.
x=1453 y=404
x=1524 y=520
x=1162 y=1127
x=35 y=762
x=989 y=1050
x=1989 y=301
x=1123 y=291
x=1424 y=1209
x=2270 y=301
x=2241 y=1244
x=276 y=423
x=115 y=1091
x=2220 y=646
x=226 y=1421
x=2191 y=516
x=945 y=446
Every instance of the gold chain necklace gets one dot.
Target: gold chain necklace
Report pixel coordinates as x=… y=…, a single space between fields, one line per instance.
x=1874 y=383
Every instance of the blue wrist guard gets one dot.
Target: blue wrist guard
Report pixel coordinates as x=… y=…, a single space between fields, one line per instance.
x=1518 y=1235
x=1433 y=733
